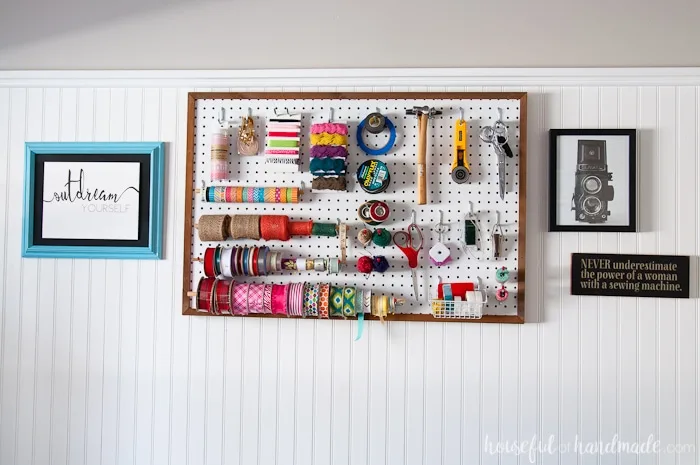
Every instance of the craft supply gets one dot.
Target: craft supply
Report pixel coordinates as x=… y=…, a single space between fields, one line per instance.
x=330 y=128
x=373 y=176
x=410 y=242
x=380 y=264
x=471 y=229
x=373 y=212
x=295 y=304
x=241 y=294
x=381 y=237
x=274 y=227
x=213 y=227
x=234 y=194
x=423 y=114
x=323 y=300
x=311 y=299
x=282 y=143
x=502 y=275
x=349 y=296
x=247 y=139
x=278 y=299
x=328 y=153
x=219 y=154
x=255 y=294
x=243 y=226
x=439 y=253
x=327 y=166
x=496 y=235
x=336 y=301
x=365 y=265
x=460 y=164
x=329 y=184
x=324 y=229
x=220 y=262
x=376 y=123
x=364 y=237
x=502 y=294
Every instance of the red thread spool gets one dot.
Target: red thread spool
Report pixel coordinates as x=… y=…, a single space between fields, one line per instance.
x=300 y=228
x=364 y=265
x=274 y=228
x=205 y=294
x=209 y=262
x=223 y=296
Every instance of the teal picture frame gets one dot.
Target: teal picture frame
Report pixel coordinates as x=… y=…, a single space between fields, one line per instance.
x=152 y=247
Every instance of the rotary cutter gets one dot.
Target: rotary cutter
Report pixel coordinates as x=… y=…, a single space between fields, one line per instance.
x=460 y=165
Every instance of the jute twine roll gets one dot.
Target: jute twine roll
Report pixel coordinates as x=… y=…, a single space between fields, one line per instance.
x=245 y=227
x=332 y=184
x=213 y=227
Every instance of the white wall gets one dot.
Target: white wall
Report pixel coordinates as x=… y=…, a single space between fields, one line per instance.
x=250 y=34
x=98 y=366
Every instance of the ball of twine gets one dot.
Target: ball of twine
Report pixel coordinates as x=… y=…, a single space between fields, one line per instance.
x=381 y=237
x=364 y=265
x=245 y=227
x=213 y=227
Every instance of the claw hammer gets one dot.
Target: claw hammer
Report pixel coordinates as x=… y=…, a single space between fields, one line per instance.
x=423 y=114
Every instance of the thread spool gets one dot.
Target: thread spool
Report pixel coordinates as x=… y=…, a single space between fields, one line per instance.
x=213 y=228
x=245 y=227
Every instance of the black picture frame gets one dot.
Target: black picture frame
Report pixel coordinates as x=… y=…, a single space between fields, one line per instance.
x=591 y=162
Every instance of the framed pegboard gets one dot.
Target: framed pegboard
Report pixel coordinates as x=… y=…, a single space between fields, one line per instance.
x=480 y=195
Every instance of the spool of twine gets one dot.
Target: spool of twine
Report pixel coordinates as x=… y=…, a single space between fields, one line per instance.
x=300 y=228
x=381 y=237
x=324 y=229
x=213 y=227
x=328 y=184
x=274 y=228
x=245 y=227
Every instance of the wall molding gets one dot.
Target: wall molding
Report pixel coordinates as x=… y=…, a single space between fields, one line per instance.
x=384 y=78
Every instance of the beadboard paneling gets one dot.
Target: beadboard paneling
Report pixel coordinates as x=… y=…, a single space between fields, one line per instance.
x=97 y=366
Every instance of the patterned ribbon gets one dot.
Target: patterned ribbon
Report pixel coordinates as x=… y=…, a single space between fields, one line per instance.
x=336 y=301
x=255 y=298
x=295 y=304
x=240 y=298
x=349 y=296
x=267 y=298
x=311 y=298
x=324 y=294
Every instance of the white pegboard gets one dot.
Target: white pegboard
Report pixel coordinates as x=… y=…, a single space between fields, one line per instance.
x=443 y=194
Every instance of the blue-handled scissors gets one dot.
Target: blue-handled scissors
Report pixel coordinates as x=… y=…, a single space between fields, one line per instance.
x=410 y=242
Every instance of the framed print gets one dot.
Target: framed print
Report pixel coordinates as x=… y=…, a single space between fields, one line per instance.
x=592 y=180
x=93 y=200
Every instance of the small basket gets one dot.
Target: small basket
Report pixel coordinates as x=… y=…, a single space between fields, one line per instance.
x=458 y=309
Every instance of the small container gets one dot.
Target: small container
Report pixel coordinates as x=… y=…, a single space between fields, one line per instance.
x=373 y=176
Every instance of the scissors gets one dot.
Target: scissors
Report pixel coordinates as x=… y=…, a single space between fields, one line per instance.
x=497 y=135
x=410 y=242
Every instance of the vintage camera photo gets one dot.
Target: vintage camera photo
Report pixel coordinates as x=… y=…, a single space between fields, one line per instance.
x=591 y=181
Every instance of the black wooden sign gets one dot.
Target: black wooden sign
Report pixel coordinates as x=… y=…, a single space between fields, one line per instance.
x=630 y=275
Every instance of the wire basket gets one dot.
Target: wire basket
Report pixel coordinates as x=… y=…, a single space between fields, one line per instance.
x=461 y=309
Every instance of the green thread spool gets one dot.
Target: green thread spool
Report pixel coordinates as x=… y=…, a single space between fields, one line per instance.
x=381 y=237
x=324 y=229
x=470 y=232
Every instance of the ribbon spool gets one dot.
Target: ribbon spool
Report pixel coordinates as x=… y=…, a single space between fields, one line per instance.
x=373 y=212
x=376 y=123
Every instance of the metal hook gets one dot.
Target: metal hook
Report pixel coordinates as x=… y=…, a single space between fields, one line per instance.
x=413 y=217
x=330 y=114
x=250 y=112
x=222 y=116
x=500 y=114
x=471 y=209
x=461 y=114
x=378 y=110
x=498 y=217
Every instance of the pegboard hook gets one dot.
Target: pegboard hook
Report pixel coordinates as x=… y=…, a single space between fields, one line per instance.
x=461 y=114
x=330 y=114
x=222 y=116
x=250 y=112
x=286 y=112
x=471 y=209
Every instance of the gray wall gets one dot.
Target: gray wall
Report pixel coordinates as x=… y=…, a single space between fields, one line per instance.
x=181 y=34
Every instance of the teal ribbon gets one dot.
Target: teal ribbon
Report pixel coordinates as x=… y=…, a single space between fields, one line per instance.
x=327 y=166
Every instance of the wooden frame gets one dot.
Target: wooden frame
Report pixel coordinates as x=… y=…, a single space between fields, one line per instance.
x=189 y=184
x=554 y=224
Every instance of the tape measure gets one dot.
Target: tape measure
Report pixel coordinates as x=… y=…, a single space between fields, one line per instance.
x=460 y=165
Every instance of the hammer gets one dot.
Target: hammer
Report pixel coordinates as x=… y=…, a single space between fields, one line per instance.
x=423 y=114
